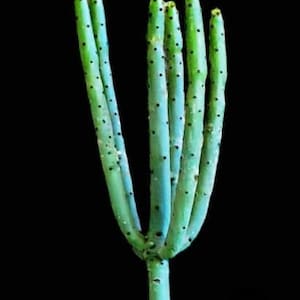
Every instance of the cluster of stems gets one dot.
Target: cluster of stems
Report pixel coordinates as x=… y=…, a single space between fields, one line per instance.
x=185 y=129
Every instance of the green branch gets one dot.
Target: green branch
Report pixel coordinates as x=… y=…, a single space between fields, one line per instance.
x=109 y=154
x=160 y=187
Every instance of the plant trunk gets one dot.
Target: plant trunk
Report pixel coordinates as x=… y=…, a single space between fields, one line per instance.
x=158 y=278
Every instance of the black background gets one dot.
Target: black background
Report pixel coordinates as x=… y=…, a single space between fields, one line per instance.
x=68 y=243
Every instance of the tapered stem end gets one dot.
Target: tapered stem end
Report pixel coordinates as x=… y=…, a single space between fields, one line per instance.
x=216 y=12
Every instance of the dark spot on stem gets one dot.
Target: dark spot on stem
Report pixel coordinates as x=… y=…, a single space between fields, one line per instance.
x=152 y=246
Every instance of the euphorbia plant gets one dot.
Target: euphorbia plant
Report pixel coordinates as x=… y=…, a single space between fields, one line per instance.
x=184 y=129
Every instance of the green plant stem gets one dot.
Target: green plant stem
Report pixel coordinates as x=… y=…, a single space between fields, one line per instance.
x=176 y=97
x=109 y=154
x=160 y=186
x=213 y=125
x=193 y=136
x=158 y=278
x=100 y=33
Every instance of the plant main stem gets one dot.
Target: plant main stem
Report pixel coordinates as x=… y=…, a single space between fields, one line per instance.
x=158 y=278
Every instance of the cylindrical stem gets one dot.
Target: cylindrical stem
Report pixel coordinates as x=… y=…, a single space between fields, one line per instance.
x=158 y=276
x=100 y=33
x=193 y=137
x=160 y=183
x=109 y=154
x=213 y=126
x=176 y=97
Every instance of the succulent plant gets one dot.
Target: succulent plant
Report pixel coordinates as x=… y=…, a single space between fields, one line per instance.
x=184 y=129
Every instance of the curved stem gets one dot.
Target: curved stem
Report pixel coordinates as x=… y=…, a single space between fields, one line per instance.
x=193 y=137
x=213 y=126
x=103 y=125
x=100 y=33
